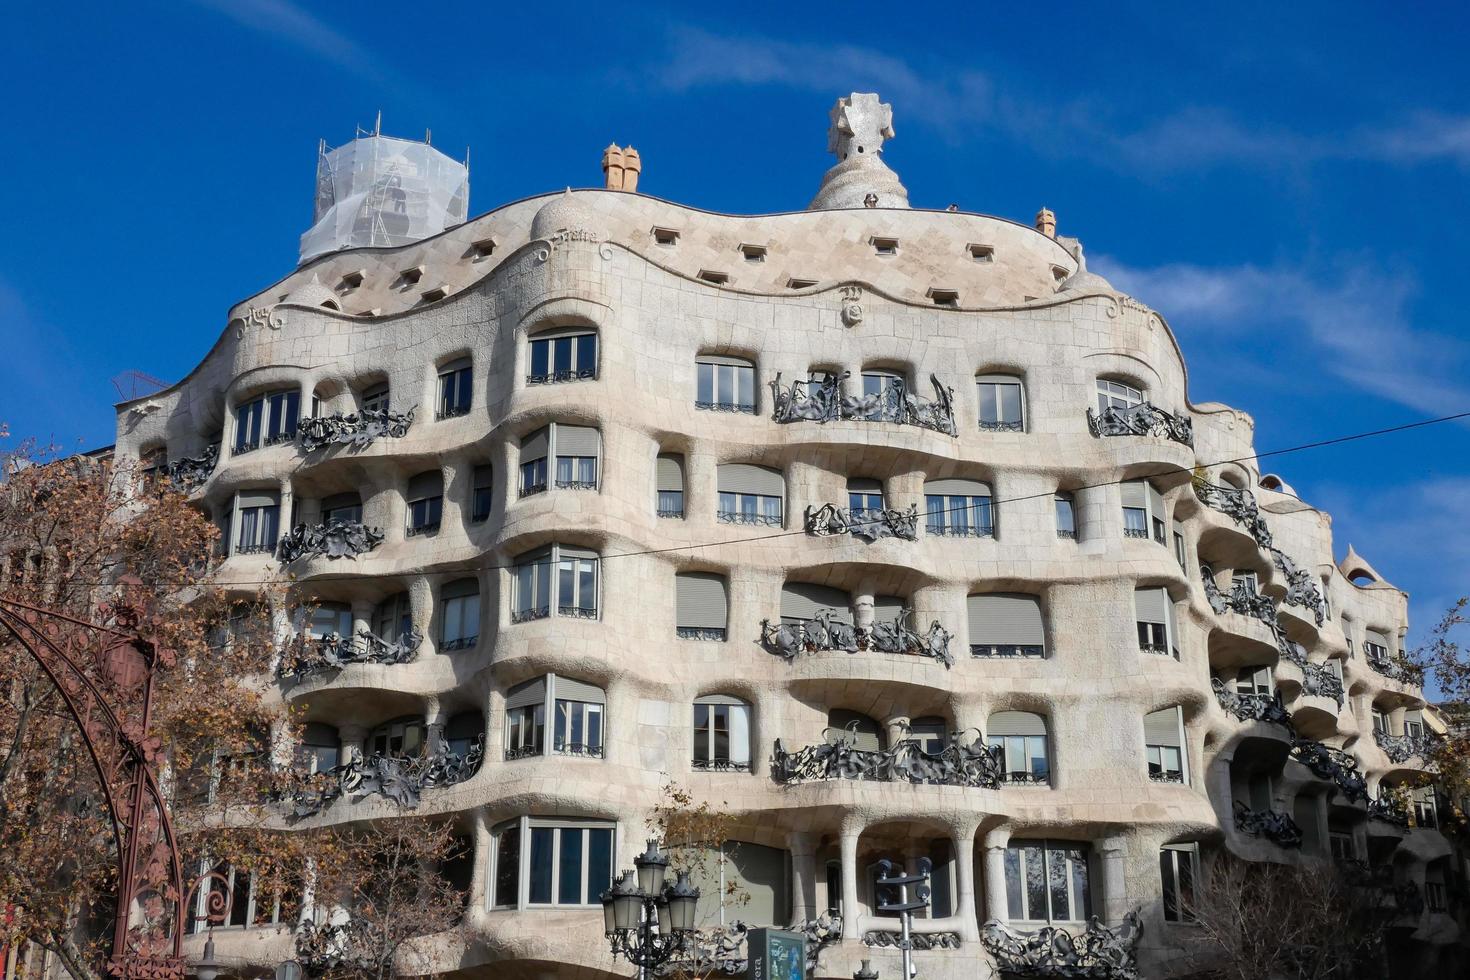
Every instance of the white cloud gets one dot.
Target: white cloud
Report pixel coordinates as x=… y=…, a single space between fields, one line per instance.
x=290 y=23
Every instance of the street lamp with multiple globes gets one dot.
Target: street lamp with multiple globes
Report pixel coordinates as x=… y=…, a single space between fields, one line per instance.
x=648 y=920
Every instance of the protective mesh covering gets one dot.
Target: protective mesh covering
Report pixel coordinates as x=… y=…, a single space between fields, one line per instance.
x=378 y=190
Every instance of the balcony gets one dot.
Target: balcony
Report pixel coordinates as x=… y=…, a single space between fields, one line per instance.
x=748 y=517
x=1318 y=681
x=724 y=950
x=863 y=524
x=1276 y=827
x=191 y=472
x=826 y=632
x=707 y=634
x=1143 y=419
x=825 y=401
x=403 y=781
x=1394 y=668
x=356 y=431
x=1253 y=707
x=1402 y=748
x=1390 y=810
x=1333 y=765
x=1099 y=953
x=1240 y=599
x=312 y=655
x=332 y=540
x=561 y=377
x=957 y=764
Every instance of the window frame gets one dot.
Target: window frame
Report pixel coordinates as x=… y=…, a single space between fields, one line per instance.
x=265 y=525
x=456 y=390
x=460 y=606
x=270 y=417
x=708 y=760
x=996 y=399
x=524 y=826
x=712 y=368
x=939 y=517
x=1046 y=847
x=1177 y=855
x=1129 y=397
x=546 y=347
x=1060 y=498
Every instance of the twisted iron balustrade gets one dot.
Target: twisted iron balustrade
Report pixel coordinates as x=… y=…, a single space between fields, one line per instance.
x=1253 y=707
x=959 y=763
x=333 y=540
x=826 y=401
x=1394 y=668
x=1319 y=681
x=402 y=781
x=356 y=431
x=1277 y=827
x=191 y=472
x=312 y=655
x=864 y=524
x=1333 y=765
x=1099 y=953
x=1389 y=810
x=725 y=950
x=826 y=632
x=1143 y=419
x=1401 y=748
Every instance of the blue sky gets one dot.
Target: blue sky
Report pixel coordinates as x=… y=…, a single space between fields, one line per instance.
x=1285 y=183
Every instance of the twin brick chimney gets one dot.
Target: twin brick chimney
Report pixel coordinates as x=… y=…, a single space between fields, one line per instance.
x=621 y=167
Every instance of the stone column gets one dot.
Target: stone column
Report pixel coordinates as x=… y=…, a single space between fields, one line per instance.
x=362 y=617
x=1115 y=889
x=897 y=726
x=803 y=876
x=851 y=831
x=862 y=607
x=352 y=737
x=434 y=725
x=480 y=867
x=964 y=873
x=995 y=874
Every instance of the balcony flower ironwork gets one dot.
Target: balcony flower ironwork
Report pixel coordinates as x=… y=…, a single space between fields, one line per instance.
x=737 y=408
x=562 y=376
x=313 y=655
x=724 y=951
x=1395 y=668
x=1402 y=748
x=1253 y=707
x=1389 y=809
x=356 y=431
x=862 y=523
x=826 y=401
x=1333 y=765
x=403 y=781
x=826 y=632
x=718 y=765
x=1301 y=587
x=1277 y=827
x=332 y=540
x=191 y=472
x=707 y=634
x=962 y=761
x=751 y=517
x=1318 y=681
x=1099 y=953
x=1240 y=599
x=1143 y=419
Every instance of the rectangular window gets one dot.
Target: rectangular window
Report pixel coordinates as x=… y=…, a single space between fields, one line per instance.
x=259 y=528
x=283 y=409
x=578 y=728
x=577 y=587
x=576 y=472
x=959 y=516
x=1135 y=522
x=483 y=496
x=455 y=391
x=424 y=515
x=1000 y=406
x=248 y=419
x=461 y=622
x=1066 y=517
x=749 y=508
x=1341 y=845
x=670 y=503
x=347 y=512
x=533 y=476
x=1165 y=764
x=1179 y=553
x=568 y=865
x=1153 y=638
x=525 y=731
x=558 y=359
x=1022 y=758
x=533 y=590
x=722 y=736
x=1048 y=881
x=724 y=385
x=375 y=399
x=1179 y=871
x=506 y=890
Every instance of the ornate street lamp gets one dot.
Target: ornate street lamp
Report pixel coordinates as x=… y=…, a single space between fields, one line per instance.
x=865 y=972
x=647 y=919
x=208 y=967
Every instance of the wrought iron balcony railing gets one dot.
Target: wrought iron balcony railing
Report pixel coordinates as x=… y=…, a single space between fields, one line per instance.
x=1333 y=765
x=459 y=642
x=748 y=517
x=1319 y=681
x=723 y=951
x=191 y=472
x=401 y=780
x=671 y=513
x=1240 y=599
x=998 y=426
x=739 y=408
x=1253 y=707
x=718 y=765
x=1277 y=827
x=576 y=484
x=561 y=377
x=522 y=752
x=1136 y=532
x=1007 y=651
x=1402 y=748
x=419 y=530
x=576 y=612
x=1143 y=419
x=1389 y=810
x=864 y=524
x=893 y=938
x=960 y=530
x=254 y=547
x=529 y=614
x=451 y=412
x=581 y=750
x=708 y=634
x=357 y=431
x=959 y=763
x=1099 y=953
x=531 y=489
x=1394 y=668
x=311 y=655
x=332 y=540
x=827 y=632
x=1166 y=776
x=825 y=401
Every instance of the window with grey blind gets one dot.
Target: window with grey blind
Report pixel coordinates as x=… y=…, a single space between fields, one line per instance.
x=562 y=355
x=1018 y=740
x=425 y=502
x=958 y=508
x=575 y=449
x=802 y=601
x=454 y=389
x=929 y=733
x=724 y=384
x=257 y=521
x=1413 y=723
x=721 y=733
x=701 y=605
x=750 y=494
x=888 y=608
x=1143 y=511
x=1002 y=403
x=1163 y=738
x=1066 y=510
x=462 y=731
x=866 y=733
x=535 y=448
x=1376 y=647
x=459 y=603
x=550 y=862
x=577 y=711
x=483 y=495
x=669 y=485
x=744 y=882
x=344 y=507
x=1005 y=624
x=1154 y=612
x=559 y=579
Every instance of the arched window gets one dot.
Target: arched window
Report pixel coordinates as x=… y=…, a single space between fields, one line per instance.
x=401 y=738
x=721 y=733
x=669 y=473
x=425 y=502
x=1002 y=403
x=1005 y=624
x=701 y=605
x=562 y=355
x=1018 y=739
x=867 y=732
x=561 y=578
x=750 y=494
x=1117 y=394
x=958 y=508
x=724 y=384
x=1163 y=737
x=460 y=614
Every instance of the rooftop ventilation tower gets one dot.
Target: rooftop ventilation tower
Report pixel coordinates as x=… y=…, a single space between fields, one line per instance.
x=382 y=191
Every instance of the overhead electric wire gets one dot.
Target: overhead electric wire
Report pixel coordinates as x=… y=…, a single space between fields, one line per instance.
x=994 y=503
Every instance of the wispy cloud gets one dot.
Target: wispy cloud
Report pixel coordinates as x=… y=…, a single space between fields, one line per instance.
x=287 y=22
x=1354 y=320
x=954 y=100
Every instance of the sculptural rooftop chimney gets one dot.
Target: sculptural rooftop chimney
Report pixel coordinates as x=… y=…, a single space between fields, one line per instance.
x=860 y=124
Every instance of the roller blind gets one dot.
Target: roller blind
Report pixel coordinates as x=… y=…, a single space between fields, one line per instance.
x=525 y=694
x=1151 y=605
x=886 y=608
x=670 y=473
x=1155 y=502
x=1005 y=620
x=1135 y=493
x=430 y=484
x=533 y=446
x=258 y=498
x=701 y=601
x=719 y=699
x=576 y=440
x=760 y=872
x=869 y=733
x=575 y=690
x=560 y=332
x=460 y=588
x=1373 y=637
x=964 y=488
x=339 y=500
x=575 y=551
x=1015 y=723
x=800 y=600
x=457 y=364
x=1162 y=728
x=863 y=484
x=745 y=478
x=722 y=359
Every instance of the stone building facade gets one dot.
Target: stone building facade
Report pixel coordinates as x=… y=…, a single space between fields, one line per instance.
x=893 y=531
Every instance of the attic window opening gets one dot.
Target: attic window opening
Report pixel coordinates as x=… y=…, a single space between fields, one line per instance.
x=484 y=248
x=945 y=297
x=982 y=253
x=665 y=236
x=410 y=277
x=885 y=246
x=373 y=312
x=718 y=278
x=435 y=295
x=1058 y=273
x=753 y=253
x=800 y=283
x=350 y=282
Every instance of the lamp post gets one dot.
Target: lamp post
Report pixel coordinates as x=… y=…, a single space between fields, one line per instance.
x=648 y=919
x=865 y=972
x=891 y=875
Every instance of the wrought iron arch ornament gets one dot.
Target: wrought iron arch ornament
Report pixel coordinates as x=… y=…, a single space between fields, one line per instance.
x=111 y=705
